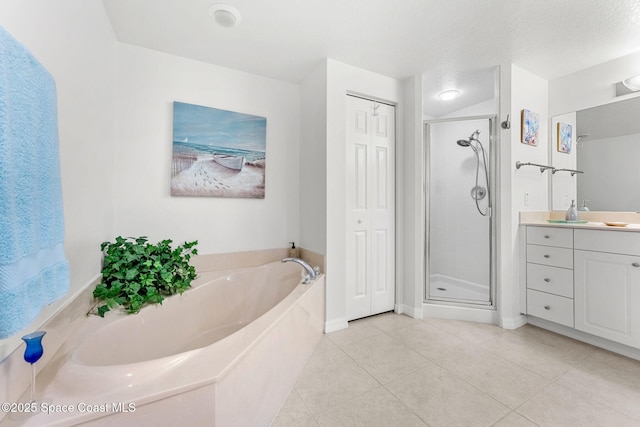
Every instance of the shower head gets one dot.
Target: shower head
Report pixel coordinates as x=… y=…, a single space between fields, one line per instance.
x=467 y=143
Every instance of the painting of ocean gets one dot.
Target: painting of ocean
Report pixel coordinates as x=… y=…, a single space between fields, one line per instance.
x=217 y=153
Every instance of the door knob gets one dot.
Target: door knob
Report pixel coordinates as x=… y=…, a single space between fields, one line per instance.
x=547 y=256
x=547 y=307
x=635 y=264
x=547 y=279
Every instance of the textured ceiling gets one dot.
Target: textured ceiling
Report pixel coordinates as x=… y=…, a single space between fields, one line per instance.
x=445 y=39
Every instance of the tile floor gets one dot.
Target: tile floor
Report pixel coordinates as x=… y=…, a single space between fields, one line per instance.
x=390 y=370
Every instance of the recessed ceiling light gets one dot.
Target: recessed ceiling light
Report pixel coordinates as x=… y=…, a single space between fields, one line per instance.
x=448 y=95
x=632 y=83
x=225 y=15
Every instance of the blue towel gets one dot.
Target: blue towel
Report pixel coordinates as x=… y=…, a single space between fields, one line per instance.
x=33 y=268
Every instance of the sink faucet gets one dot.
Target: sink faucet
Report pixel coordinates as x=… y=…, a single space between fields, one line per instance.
x=311 y=273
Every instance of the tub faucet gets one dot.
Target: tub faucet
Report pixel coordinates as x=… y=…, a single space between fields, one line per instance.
x=310 y=272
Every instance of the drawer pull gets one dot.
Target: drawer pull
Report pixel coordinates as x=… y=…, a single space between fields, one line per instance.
x=547 y=279
x=547 y=256
x=635 y=264
x=547 y=307
x=546 y=236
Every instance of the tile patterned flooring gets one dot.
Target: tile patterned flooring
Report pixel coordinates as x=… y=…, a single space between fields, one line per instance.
x=392 y=370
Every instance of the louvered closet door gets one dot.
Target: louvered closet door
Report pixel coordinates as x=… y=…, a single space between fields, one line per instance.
x=370 y=230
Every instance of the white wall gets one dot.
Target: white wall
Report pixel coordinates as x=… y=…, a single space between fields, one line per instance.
x=410 y=196
x=343 y=79
x=483 y=108
x=313 y=161
x=592 y=86
x=148 y=83
x=525 y=90
x=529 y=91
x=74 y=41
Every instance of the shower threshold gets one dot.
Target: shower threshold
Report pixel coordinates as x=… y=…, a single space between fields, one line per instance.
x=451 y=289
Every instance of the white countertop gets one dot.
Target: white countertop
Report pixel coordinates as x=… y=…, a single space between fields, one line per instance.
x=596 y=220
x=587 y=225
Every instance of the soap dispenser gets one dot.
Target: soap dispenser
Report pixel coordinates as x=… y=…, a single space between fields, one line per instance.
x=584 y=206
x=572 y=212
x=293 y=251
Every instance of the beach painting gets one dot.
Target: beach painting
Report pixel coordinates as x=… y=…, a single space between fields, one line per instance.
x=530 y=127
x=217 y=153
x=565 y=135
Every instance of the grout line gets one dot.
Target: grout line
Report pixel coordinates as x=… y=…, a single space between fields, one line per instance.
x=573 y=365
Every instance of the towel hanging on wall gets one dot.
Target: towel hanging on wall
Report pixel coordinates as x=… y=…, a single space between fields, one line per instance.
x=33 y=268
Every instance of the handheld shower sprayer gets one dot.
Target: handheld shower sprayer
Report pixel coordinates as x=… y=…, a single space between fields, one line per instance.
x=468 y=143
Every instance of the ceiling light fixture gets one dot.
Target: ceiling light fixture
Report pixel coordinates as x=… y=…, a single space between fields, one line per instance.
x=225 y=15
x=448 y=95
x=632 y=83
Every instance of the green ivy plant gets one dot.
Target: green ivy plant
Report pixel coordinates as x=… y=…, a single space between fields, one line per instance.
x=136 y=272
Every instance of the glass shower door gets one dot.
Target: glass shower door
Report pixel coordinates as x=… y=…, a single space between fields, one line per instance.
x=459 y=154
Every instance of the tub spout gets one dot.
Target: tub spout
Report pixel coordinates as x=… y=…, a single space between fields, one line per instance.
x=310 y=272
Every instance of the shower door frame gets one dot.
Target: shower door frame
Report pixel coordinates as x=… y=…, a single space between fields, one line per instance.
x=493 y=184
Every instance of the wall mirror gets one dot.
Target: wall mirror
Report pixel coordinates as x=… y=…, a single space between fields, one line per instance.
x=606 y=147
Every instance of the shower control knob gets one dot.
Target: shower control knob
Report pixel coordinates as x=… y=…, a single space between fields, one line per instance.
x=547 y=307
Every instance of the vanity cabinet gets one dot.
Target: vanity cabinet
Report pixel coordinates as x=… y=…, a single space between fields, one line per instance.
x=549 y=277
x=586 y=279
x=607 y=285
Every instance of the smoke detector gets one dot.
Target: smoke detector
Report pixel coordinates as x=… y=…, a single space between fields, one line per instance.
x=225 y=15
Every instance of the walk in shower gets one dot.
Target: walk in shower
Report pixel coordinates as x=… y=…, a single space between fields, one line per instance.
x=460 y=215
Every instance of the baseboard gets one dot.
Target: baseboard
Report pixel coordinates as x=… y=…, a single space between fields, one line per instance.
x=513 y=322
x=335 y=325
x=615 y=347
x=482 y=315
x=413 y=312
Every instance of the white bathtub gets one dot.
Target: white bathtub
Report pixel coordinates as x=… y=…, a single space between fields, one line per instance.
x=225 y=353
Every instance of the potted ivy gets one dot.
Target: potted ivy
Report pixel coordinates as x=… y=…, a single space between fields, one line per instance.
x=136 y=273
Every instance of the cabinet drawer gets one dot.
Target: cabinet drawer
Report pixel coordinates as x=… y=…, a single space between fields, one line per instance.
x=548 y=255
x=550 y=236
x=553 y=280
x=550 y=307
x=617 y=242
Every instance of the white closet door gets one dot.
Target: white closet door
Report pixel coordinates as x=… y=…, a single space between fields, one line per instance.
x=370 y=230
